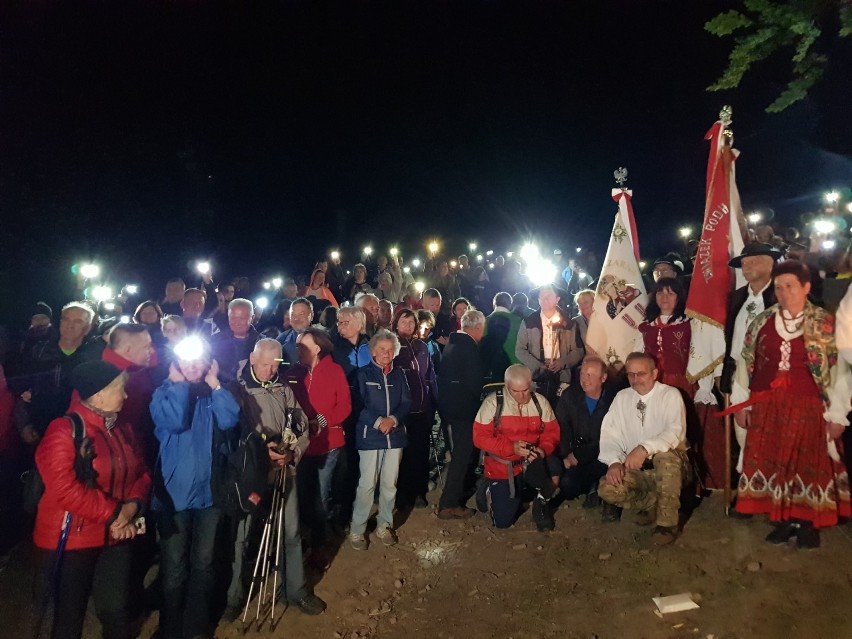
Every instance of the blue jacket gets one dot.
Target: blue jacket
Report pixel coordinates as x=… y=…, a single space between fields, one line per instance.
x=383 y=396
x=186 y=445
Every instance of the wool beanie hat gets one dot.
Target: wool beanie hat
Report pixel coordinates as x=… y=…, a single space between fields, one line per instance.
x=90 y=378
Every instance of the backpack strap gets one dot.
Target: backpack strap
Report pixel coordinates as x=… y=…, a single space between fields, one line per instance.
x=540 y=414
x=499 y=411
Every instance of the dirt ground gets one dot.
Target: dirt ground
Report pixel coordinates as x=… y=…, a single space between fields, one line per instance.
x=465 y=580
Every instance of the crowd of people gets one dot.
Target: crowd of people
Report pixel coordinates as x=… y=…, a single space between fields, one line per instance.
x=337 y=393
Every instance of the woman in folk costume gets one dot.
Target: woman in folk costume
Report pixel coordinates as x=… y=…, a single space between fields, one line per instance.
x=799 y=398
x=667 y=334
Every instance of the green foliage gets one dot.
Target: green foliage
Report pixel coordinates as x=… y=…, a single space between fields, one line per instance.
x=771 y=27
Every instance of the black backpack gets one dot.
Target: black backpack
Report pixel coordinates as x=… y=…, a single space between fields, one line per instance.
x=239 y=480
x=33 y=488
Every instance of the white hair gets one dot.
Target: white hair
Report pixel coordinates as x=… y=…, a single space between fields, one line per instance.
x=80 y=306
x=241 y=302
x=472 y=319
x=359 y=299
x=354 y=313
x=517 y=373
x=384 y=335
x=269 y=344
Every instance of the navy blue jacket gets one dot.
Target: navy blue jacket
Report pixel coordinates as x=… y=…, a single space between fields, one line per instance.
x=382 y=396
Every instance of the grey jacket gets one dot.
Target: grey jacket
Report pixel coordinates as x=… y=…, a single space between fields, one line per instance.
x=528 y=348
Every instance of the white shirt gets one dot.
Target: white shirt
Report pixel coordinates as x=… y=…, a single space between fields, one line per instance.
x=752 y=308
x=662 y=429
x=549 y=345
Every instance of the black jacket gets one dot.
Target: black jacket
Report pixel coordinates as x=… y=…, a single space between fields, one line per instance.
x=229 y=351
x=580 y=433
x=735 y=304
x=460 y=379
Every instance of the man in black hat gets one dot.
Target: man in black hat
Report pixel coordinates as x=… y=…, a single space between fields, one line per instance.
x=670 y=265
x=547 y=344
x=756 y=261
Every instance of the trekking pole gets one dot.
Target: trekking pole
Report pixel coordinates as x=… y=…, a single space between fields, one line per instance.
x=727 y=455
x=264 y=552
x=53 y=587
x=255 y=573
x=280 y=520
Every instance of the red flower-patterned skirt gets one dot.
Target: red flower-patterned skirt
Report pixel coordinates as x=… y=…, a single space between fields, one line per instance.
x=787 y=473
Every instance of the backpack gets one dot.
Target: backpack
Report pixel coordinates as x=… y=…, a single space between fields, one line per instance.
x=239 y=480
x=33 y=484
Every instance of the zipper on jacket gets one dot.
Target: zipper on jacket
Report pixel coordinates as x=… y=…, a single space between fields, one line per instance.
x=387 y=403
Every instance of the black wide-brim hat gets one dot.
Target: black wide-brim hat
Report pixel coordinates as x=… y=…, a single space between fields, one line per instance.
x=755 y=248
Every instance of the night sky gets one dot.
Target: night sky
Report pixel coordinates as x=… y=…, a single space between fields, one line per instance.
x=147 y=134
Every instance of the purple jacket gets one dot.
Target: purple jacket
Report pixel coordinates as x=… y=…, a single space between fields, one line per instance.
x=414 y=360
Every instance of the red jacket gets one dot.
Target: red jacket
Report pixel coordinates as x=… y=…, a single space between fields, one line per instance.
x=121 y=477
x=140 y=389
x=324 y=391
x=517 y=424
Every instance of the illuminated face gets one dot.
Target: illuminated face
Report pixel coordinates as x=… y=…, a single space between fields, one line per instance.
x=443 y=269
x=300 y=316
x=592 y=379
x=264 y=364
x=547 y=301
x=371 y=309
x=460 y=310
x=520 y=392
x=74 y=324
x=138 y=349
x=173 y=332
x=383 y=352
x=382 y=262
x=348 y=327
x=307 y=349
x=790 y=292
x=149 y=316
x=291 y=291
x=385 y=313
x=666 y=299
x=193 y=370
x=192 y=305
x=406 y=326
x=432 y=304
x=239 y=321
x=641 y=373
x=318 y=280
x=757 y=268
x=586 y=304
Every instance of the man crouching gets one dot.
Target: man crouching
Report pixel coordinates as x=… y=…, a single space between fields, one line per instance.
x=516 y=430
x=643 y=445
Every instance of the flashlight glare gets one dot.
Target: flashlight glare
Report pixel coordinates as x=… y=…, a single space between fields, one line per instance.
x=262 y=303
x=90 y=271
x=415 y=263
x=368 y=250
x=541 y=272
x=685 y=232
x=101 y=293
x=394 y=252
x=131 y=289
x=419 y=286
x=203 y=267
x=277 y=282
x=335 y=255
x=124 y=319
x=190 y=349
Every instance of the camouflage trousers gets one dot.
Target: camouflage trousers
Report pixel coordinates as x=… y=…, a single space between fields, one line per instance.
x=656 y=489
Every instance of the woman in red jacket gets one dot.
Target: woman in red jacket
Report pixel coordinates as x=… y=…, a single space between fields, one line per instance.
x=103 y=511
x=320 y=387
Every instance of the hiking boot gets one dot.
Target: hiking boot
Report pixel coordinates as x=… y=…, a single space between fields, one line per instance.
x=543 y=515
x=592 y=500
x=387 y=535
x=663 y=536
x=358 y=542
x=782 y=533
x=482 y=497
x=311 y=605
x=610 y=513
x=460 y=512
x=807 y=537
x=644 y=518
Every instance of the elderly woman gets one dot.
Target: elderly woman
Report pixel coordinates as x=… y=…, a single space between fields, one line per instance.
x=799 y=398
x=320 y=387
x=191 y=412
x=415 y=361
x=585 y=302
x=380 y=436
x=96 y=500
x=317 y=289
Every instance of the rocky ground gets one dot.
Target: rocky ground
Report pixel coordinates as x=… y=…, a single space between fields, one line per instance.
x=465 y=580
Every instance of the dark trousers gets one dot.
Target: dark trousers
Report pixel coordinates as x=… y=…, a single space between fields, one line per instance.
x=103 y=573
x=462 y=464
x=581 y=479
x=504 y=504
x=313 y=481
x=187 y=545
x=413 y=481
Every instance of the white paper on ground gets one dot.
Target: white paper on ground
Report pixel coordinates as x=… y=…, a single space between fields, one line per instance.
x=674 y=603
